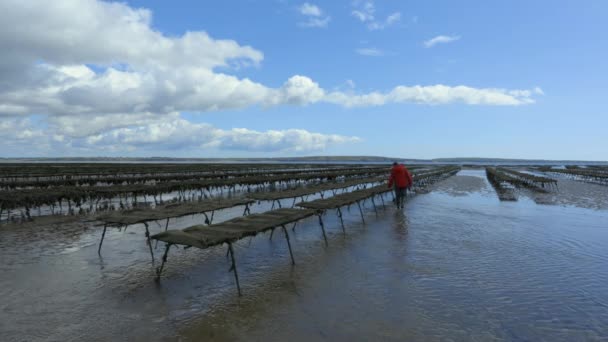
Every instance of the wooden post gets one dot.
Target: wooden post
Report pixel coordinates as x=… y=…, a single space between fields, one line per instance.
x=159 y=270
x=341 y=220
x=361 y=211
x=322 y=228
x=233 y=268
x=148 y=242
x=288 y=244
x=166 y=227
x=105 y=226
x=374 y=203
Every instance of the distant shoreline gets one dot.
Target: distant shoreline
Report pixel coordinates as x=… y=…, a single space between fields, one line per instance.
x=314 y=159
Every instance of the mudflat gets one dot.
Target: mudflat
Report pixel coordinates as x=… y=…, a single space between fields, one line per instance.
x=456 y=263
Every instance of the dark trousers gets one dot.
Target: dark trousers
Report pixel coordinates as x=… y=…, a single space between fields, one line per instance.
x=399 y=196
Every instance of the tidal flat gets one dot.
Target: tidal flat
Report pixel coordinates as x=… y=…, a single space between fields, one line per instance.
x=455 y=264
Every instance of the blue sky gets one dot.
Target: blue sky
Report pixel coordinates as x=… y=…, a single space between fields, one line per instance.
x=539 y=68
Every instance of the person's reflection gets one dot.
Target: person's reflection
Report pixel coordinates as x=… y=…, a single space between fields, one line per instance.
x=399 y=245
x=400 y=225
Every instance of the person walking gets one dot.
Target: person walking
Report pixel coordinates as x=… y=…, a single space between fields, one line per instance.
x=401 y=178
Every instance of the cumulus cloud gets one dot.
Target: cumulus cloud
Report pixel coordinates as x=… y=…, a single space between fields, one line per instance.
x=105 y=74
x=300 y=90
x=437 y=95
x=314 y=16
x=440 y=40
x=108 y=60
x=365 y=11
x=181 y=133
x=170 y=133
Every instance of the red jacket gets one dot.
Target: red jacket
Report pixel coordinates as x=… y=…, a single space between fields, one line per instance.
x=401 y=176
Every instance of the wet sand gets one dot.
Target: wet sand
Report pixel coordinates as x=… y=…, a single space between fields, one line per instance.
x=456 y=264
x=462 y=185
x=575 y=193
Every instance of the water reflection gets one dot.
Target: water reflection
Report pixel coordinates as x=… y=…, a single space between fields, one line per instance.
x=400 y=225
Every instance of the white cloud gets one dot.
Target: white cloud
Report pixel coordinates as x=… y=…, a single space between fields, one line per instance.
x=109 y=61
x=296 y=140
x=310 y=10
x=365 y=11
x=106 y=72
x=370 y=52
x=315 y=16
x=300 y=90
x=165 y=134
x=20 y=130
x=440 y=40
x=20 y=136
x=50 y=56
x=436 y=95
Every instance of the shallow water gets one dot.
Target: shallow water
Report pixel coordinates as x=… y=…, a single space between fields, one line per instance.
x=455 y=264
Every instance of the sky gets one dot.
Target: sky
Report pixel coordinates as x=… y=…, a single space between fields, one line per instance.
x=273 y=78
